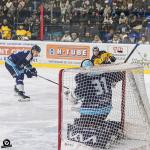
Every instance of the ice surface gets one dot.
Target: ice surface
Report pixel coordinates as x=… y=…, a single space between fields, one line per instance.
x=32 y=125
x=29 y=125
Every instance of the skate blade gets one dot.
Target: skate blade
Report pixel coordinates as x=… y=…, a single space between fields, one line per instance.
x=24 y=100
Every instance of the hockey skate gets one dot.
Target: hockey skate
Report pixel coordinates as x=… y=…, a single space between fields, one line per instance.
x=23 y=97
x=16 y=91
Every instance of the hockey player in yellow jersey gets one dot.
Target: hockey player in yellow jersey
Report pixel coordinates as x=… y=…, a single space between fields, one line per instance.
x=101 y=57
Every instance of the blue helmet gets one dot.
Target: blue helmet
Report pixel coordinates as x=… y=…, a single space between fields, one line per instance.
x=86 y=63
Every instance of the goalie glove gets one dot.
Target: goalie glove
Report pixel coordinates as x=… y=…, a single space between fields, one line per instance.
x=71 y=97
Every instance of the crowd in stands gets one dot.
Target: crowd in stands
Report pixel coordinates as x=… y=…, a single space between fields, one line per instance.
x=19 y=19
x=97 y=21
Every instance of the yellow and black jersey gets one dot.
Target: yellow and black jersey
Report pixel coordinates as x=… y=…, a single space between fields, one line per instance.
x=103 y=58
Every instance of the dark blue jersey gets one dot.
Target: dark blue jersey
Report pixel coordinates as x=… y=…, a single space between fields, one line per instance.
x=95 y=90
x=20 y=59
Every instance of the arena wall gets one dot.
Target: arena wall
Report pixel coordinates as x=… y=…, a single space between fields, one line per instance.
x=68 y=54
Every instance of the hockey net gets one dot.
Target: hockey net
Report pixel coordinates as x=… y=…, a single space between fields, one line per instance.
x=102 y=107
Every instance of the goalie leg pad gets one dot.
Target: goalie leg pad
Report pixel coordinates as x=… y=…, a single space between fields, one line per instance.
x=85 y=120
x=95 y=137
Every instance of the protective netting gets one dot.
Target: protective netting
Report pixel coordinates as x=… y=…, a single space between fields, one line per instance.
x=103 y=105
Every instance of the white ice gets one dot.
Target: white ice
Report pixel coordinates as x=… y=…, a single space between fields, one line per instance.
x=29 y=125
x=32 y=125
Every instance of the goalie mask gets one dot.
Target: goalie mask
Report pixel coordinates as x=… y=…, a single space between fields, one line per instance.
x=87 y=63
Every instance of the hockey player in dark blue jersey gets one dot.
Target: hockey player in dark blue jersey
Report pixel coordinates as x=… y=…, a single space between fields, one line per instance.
x=94 y=90
x=19 y=64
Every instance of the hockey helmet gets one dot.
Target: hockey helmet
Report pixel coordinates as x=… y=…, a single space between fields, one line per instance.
x=95 y=48
x=86 y=63
x=36 y=48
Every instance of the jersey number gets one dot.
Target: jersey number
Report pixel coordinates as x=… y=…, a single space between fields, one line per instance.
x=100 y=86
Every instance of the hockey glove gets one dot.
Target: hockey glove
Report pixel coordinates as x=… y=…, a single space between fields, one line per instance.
x=31 y=72
x=113 y=59
x=34 y=72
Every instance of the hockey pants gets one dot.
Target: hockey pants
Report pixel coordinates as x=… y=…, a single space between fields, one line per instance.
x=18 y=74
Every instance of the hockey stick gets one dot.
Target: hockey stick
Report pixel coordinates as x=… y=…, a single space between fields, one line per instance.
x=131 y=52
x=51 y=81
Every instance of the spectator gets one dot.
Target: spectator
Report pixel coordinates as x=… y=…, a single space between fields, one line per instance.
x=23 y=34
x=134 y=36
x=97 y=39
x=66 y=37
x=74 y=37
x=124 y=6
x=108 y=20
x=109 y=36
x=130 y=4
x=107 y=10
x=123 y=19
x=21 y=4
x=5 y=30
x=143 y=40
x=8 y=4
x=63 y=11
x=86 y=37
x=116 y=38
x=13 y=9
x=123 y=27
x=125 y=39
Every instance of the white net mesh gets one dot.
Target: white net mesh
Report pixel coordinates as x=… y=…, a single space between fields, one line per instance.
x=104 y=105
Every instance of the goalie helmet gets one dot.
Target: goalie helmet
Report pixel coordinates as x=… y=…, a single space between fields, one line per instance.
x=86 y=63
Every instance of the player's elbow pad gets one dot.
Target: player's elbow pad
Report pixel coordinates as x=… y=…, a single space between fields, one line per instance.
x=113 y=59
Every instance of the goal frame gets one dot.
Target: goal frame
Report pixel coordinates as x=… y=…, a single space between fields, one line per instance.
x=60 y=104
